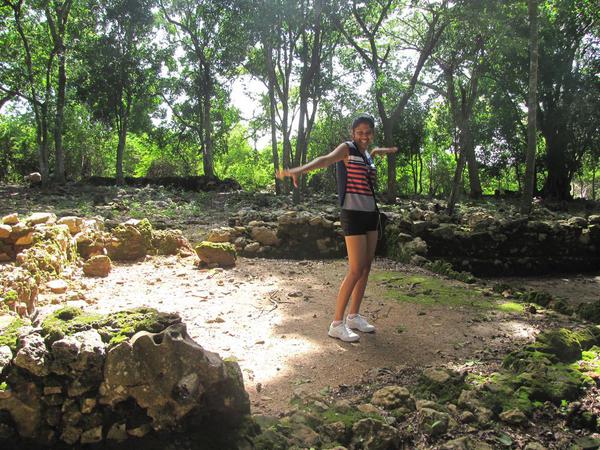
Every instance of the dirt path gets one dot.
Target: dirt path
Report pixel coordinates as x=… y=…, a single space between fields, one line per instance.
x=272 y=316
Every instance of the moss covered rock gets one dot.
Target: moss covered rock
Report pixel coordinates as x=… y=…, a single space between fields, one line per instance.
x=440 y=384
x=171 y=242
x=52 y=249
x=563 y=343
x=114 y=327
x=132 y=240
x=392 y=397
x=221 y=254
x=10 y=334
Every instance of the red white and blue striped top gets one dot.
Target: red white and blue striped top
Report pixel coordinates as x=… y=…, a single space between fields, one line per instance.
x=353 y=175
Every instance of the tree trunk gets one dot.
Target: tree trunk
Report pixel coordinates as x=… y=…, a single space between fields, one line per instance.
x=456 y=182
x=388 y=139
x=529 y=181
x=594 y=165
x=272 y=108
x=208 y=162
x=39 y=109
x=59 y=167
x=121 y=149
x=558 y=182
x=475 y=190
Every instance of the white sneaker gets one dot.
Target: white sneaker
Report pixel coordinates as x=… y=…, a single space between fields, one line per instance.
x=359 y=323
x=342 y=332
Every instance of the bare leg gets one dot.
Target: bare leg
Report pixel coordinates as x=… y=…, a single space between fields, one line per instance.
x=357 y=247
x=361 y=284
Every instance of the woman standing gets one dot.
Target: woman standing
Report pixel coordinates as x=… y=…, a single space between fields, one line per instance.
x=359 y=218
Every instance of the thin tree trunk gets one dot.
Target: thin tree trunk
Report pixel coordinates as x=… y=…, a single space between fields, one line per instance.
x=529 y=181
x=456 y=182
x=594 y=165
x=420 y=165
x=272 y=107
x=208 y=143
x=59 y=169
x=38 y=107
x=121 y=150
x=57 y=30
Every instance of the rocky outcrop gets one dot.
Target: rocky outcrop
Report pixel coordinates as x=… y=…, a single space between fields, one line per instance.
x=143 y=369
x=288 y=234
x=448 y=409
x=482 y=244
x=88 y=386
x=40 y=246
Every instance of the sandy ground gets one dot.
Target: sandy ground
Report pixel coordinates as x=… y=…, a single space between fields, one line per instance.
x=272 y=316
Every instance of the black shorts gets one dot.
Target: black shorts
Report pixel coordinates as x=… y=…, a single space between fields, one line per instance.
x=358 y=222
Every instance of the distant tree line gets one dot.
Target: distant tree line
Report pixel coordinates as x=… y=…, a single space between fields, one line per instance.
x=144 y=88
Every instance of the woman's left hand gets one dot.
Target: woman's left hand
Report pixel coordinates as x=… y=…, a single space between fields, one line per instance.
x=383 y=150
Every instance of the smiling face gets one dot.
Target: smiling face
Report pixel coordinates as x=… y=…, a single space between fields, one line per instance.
x=362 y=134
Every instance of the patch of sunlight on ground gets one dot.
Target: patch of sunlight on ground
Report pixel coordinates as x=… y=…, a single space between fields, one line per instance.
x=436 y=291
x=518 y=330
x=250 y=319
x=511 y=307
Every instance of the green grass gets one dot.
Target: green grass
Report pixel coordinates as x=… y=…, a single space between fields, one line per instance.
x=434 y=291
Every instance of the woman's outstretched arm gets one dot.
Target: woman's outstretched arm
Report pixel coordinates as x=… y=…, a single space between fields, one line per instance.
x=340 y=152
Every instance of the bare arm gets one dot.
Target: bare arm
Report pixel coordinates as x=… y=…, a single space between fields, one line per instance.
x=340 y=152
x=380 y=151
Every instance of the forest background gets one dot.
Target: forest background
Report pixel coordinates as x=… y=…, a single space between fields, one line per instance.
x=144 y=88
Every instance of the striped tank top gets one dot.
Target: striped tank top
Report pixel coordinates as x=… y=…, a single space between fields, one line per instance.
x=354 y=191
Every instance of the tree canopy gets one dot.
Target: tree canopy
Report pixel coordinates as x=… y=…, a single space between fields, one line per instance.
x=147 y=87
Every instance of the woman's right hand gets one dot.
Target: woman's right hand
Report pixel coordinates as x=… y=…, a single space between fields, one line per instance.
x=292 y=173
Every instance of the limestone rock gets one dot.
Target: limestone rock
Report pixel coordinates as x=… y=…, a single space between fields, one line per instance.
x=37 y=218
x=117 y=432
x=33 y=355
x=171 y=242
x=265 y=236
x=10 y=219
x=5 y=357
x=74 y=223
x=371 y=434
x=432 y=422
x=221 y=254
x=97 y=266
x=563 y=343
x=392 y=397
x=465 y=443
x=81 y=353
x=222 y=234
x=92 y=242
x=57 y=286
x=26 y=239
x=333 y=432
x=25 y=408
x=252 y=247
x=143 y=368
x=437 y=376
x=5 y=231
x=33 y=178
x=92 y=436
x=304 y=436
x=23 y=291
x=579 y=222
x=131 y=240
x=71 y=435
x=513 y=417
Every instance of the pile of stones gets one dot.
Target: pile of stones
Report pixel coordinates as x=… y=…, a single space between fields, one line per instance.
x=37 y=249
x=86 y=379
